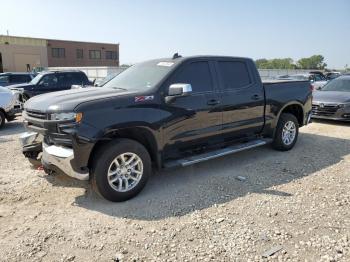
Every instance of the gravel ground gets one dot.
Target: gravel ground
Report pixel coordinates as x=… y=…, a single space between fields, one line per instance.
x=230 y=209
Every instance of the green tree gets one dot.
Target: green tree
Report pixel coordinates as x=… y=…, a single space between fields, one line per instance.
x=277 y=63
x=262 y=63
x=312 y=62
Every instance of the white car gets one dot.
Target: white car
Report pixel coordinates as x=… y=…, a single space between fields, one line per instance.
x=7 y=103
x=317 y=80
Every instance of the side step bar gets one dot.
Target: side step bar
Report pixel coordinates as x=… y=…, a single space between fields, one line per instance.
x=216 y=153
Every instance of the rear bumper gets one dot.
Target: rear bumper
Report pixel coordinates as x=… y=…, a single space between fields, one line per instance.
x=61 y=158
x=308 y=118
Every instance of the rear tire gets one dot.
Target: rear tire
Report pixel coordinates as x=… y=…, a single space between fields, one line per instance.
x=113 y=176
x=287 y=132
x=2 y=119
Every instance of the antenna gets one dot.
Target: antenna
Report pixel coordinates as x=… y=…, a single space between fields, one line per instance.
x=7 y=32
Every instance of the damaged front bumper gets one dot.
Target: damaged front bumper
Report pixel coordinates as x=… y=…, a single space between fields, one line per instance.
x=61 y=157
x=52 y=157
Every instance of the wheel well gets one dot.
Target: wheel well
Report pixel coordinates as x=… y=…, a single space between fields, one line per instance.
x=297 y=111
x=141 y=135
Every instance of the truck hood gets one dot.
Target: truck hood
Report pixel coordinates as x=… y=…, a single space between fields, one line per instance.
x=331 y=97
x=67 y=100
x=24 y=86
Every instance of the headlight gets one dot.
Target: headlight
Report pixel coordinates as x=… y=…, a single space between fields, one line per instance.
x=67 y=116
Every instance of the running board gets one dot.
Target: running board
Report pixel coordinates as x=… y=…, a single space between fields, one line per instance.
x=216 y=153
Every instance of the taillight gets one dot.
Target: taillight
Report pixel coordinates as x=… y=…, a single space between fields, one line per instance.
x=312 y=88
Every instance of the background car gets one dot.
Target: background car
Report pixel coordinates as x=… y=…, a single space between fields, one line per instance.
x=98 y=83
x=332 y=101
x=317 y=79
x=7 y=102
x=332 y=75
x=51 y=81
x=7 y=79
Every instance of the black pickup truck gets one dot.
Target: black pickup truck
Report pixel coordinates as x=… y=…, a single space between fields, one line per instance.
x=162 y=113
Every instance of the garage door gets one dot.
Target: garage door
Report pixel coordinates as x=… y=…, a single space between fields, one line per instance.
x=22 y=61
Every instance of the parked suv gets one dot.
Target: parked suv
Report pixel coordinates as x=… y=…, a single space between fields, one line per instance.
x=162 y=113
x=46 y=82
x=7 y=79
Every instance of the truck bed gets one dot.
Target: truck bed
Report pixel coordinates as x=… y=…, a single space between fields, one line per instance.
x=274 y=81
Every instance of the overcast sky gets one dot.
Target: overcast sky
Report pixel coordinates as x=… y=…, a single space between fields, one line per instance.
x=158 y=28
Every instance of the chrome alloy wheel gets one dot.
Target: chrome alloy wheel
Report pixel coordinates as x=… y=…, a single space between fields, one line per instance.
x=125 y=172
x=288 y=133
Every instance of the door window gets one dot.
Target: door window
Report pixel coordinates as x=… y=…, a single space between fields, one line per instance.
x=197 y=74
x=78 y=79
x=48 y=81
x=67 y=80
x=234 y=74
x=20 y=78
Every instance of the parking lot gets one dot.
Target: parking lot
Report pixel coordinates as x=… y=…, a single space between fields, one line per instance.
x=233 y=208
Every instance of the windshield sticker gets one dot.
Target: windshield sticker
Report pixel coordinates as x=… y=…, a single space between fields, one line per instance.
x=167 y=64
x=143 y=98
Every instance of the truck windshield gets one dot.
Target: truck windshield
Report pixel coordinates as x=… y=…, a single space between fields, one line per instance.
x=338 y=84
x=142 y=76
x=36 y=79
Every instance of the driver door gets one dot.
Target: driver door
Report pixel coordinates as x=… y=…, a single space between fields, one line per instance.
x=48 y=83
x=195 y=118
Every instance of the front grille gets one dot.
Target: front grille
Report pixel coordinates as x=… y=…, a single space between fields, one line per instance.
x=39 y=122
x=36 y=114
x=324 y=110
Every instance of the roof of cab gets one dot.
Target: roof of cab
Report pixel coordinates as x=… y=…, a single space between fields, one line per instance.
x=180 y=59
x=17 y=73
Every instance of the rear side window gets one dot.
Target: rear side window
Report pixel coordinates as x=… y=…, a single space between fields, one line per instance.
x=69 y=79
x=234 y=74
x=197 y=74
x=20 y=78
x=79 y=78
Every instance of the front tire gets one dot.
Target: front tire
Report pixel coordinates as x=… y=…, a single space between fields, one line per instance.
x=287 y=132
x=121 y=169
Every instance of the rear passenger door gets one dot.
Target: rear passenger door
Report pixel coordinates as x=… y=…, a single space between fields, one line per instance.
x=242 y=98
x=195 y=118
x=66 y=80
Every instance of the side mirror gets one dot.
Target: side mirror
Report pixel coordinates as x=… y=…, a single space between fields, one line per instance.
x=179 y=90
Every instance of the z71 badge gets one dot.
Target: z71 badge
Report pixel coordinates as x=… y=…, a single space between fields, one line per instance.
x=143 y=98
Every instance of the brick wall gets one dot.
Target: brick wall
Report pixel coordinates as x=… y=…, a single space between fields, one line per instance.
x=70 y=58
